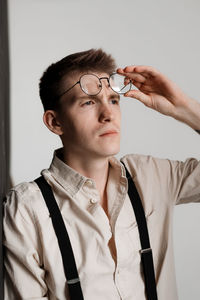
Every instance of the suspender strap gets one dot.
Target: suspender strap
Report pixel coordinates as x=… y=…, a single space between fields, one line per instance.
x=146 y=252
x=69 y=263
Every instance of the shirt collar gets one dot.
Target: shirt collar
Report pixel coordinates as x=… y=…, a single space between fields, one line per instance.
x=71 y=180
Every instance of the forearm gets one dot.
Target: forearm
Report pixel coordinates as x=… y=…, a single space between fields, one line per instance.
x=190 y=114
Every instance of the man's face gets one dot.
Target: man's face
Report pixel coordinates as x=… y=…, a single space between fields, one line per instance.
x=90 y=124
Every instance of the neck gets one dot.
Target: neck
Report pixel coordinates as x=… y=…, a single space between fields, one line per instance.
x=94 y=168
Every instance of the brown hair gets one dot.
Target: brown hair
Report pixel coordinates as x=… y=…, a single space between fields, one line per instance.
x=95 y=60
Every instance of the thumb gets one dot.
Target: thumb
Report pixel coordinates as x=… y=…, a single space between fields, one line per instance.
x=145 y=99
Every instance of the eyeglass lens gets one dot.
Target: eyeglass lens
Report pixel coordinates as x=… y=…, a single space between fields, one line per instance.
x=117 y=84
x=91 y=84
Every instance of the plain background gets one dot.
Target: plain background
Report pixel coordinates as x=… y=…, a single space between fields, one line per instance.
x=164 y=34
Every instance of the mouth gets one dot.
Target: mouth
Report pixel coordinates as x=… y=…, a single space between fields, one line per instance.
x=110 y=133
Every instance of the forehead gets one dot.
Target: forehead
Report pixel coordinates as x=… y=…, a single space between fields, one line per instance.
x=72 y=78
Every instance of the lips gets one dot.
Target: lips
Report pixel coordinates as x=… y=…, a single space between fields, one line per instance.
x=109 y=132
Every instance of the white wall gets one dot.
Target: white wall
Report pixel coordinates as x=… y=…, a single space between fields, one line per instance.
x=164 y=34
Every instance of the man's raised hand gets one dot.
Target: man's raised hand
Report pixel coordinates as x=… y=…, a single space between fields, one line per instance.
x=158 y=92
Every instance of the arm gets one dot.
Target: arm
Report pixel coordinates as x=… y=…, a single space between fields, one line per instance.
x=158 y=92
x=24 y=275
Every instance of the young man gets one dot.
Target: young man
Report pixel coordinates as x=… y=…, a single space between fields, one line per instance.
x=82 y=106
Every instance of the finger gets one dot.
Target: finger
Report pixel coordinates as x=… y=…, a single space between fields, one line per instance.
x=126 y=81
x=136 y=84
x=139 y=73
x=129 y=69
x=126 y=69
x=145 y=99
x=132 y=82
x=146 y=70
x=120 y=71
x=135 y=77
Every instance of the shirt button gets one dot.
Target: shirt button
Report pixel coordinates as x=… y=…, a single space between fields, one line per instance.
x=93 y=201
x=88 y=182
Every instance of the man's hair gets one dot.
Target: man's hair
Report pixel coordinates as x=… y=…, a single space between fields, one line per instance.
x=95 y=60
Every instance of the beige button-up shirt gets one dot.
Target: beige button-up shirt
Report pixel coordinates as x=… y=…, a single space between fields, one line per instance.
x=107 y=251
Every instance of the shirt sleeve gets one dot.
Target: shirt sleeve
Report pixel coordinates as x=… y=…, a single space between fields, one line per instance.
x=184 y=181
x=188 y=183
x=24 y=276
x=170 y=181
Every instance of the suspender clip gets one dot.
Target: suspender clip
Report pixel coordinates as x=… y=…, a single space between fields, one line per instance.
x=143 y=251
x=73 y=281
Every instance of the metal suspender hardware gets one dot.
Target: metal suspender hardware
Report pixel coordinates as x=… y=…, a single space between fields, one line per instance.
x=69 y=263
x=146 y=252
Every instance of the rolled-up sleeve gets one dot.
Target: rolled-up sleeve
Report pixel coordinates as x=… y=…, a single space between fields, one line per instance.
x=24 y=273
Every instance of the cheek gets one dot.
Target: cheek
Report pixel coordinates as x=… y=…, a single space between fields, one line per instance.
x=68 y=125
x=86 y=121
x=118 y=116
x=77 y=126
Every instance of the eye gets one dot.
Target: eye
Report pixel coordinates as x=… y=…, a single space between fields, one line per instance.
x=115 y=101
x=88 y=103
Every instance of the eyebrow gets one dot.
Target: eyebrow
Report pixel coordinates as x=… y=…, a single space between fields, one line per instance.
x=96 y=97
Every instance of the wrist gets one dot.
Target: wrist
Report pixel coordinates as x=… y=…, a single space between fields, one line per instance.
x=190 y=114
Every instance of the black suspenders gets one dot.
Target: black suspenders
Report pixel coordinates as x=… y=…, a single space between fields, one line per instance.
x=69 y=263
x=146 y=252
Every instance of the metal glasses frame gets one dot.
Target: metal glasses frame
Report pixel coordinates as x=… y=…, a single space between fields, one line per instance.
x=100 y=84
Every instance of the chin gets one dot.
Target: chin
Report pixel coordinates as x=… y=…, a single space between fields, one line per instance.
x=110 y=152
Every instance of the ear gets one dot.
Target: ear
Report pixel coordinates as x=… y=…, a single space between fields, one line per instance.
x=51 y=120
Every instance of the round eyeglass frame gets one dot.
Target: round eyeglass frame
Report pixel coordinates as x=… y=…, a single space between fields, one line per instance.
x=100 y=85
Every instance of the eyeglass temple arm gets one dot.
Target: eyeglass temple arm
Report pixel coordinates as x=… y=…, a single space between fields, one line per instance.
x=69 y=89
x=125 y=85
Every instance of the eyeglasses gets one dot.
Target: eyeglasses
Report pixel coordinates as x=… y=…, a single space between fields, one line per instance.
x=92 y=86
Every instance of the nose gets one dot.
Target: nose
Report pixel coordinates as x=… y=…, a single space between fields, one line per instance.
x=106 y=113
